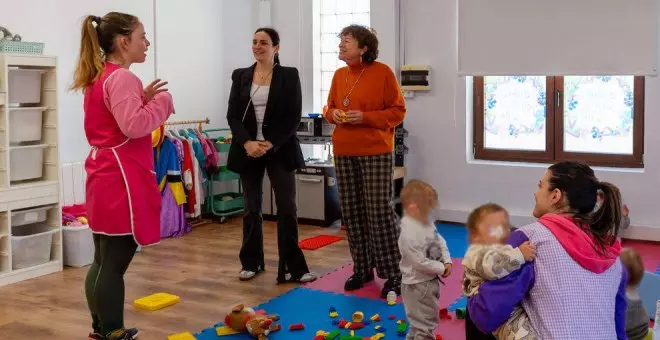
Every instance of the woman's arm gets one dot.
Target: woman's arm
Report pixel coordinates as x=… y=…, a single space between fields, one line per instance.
x=497 y=299
x=234 y=112
x=290 y=120
x=123 y=94
x=395 y=107
x=329 y=114
x=621 y=306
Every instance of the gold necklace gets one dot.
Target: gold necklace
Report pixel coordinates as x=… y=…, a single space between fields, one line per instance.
x=347 y=101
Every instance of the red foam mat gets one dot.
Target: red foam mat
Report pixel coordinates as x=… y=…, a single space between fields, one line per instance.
x=319 y=241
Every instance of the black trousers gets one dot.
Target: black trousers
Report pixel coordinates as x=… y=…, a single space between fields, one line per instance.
x=291 y=257
x=472 y=332
x=104 y=285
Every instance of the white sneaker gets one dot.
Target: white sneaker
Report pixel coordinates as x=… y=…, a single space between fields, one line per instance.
x=307 y=277
x=246 y=275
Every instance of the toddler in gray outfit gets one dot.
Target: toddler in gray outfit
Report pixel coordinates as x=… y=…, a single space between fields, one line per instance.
x=424 y=258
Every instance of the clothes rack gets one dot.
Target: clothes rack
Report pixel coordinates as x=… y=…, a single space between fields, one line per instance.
x=197 y=221
x=189 y=122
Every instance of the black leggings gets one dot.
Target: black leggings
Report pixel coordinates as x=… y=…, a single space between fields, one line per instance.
x=104 y=285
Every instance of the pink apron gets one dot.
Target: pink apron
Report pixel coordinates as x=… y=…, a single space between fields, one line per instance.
x=122 y=195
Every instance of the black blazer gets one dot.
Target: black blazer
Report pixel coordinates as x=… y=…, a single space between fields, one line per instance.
x=281 y=119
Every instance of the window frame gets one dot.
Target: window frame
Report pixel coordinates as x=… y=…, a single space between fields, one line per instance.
x=554 y=138
x=319 y=101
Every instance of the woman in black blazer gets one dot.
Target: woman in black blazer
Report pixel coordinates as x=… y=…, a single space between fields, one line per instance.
x=264 y=112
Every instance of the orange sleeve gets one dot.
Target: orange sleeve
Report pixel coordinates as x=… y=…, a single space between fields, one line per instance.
x=395 y=107
x=331 y=100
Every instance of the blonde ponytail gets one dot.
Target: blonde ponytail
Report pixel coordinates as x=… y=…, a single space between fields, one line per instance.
x=90 y=65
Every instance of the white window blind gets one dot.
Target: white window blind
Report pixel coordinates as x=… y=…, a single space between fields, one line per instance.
x=559 y=37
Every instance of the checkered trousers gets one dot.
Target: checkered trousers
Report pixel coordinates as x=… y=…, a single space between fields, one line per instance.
x=365 y=196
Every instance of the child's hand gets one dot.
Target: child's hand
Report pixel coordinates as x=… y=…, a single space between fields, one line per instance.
x=528 y=250
x=447 y=270
x=625 y=211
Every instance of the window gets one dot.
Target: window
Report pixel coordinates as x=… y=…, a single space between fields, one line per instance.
x=596 y=119
x=334 y=15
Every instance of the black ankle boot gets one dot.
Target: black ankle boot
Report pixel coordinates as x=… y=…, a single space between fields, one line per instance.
x=357 y=281
x=393 y=284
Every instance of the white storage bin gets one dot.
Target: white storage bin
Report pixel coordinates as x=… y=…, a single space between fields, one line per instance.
x=31 y=245
x=78 y=243
x=25 y=124
x=24 y=86
x=27 y=216
x=26 y=162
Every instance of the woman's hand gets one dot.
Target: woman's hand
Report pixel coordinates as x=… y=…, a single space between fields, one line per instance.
x=338 y=116
x=266 y=145
x=254 y=149
x=354 y=117
x=154 y=88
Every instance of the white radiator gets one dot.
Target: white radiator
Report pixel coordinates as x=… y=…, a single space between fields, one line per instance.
x=72 y=177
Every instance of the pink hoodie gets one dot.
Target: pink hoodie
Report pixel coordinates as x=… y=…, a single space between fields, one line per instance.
x=580 y=245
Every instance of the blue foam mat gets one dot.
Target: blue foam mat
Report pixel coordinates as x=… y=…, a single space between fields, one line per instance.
x=456 y=237
x=649 y=290
x=461 y=302
x=294 y=307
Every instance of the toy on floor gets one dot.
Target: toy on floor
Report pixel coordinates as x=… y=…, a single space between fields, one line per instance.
x=260 y=326
x=460 y=313
x=238 y=317
x=225 y=330
x=444 y=314
x=375 y=318
x=391 y=298
x=297 y=327
x=181 y=336
x=333 y=312
x=245 y=319
x=156 y=301
x=402 y=327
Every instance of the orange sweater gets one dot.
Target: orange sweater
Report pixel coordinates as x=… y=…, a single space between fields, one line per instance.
x=379 y=97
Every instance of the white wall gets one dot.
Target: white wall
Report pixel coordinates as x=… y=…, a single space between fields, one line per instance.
x=439 y=120
x=58 y=24
x=188 y=46
x=189 y=54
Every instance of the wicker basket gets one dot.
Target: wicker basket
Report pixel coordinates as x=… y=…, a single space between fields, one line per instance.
x=21 y=47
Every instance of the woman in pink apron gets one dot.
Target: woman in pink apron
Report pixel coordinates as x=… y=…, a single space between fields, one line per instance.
x=123 y=200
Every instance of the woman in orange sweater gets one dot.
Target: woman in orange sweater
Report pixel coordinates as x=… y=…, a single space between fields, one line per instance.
x=366 y=105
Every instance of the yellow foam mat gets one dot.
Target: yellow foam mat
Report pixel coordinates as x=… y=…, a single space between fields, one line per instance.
x=156 y=301
x=181 y=336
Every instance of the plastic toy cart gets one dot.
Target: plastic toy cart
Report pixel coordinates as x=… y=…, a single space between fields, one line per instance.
x=225 y=204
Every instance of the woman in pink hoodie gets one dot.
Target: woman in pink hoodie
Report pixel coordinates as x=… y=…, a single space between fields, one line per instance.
x=575 y=289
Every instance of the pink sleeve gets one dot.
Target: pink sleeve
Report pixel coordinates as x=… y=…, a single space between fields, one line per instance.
x=124 y=97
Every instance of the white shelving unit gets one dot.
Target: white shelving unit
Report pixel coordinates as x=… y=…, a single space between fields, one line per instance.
x=30 y=212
